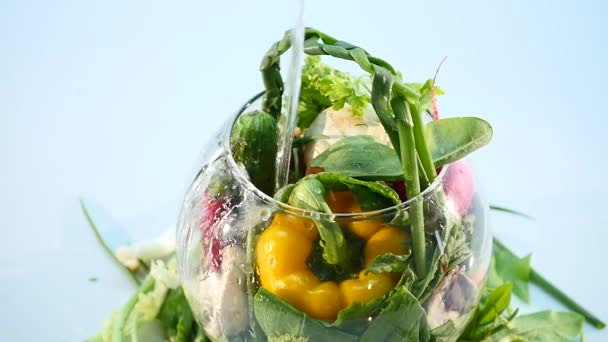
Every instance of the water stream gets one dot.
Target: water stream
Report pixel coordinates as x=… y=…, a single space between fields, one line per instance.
x=288 y=122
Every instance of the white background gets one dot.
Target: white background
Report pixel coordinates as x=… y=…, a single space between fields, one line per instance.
x=113 y=101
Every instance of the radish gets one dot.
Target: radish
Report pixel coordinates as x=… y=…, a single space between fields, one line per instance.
x=213 y=210
x=399 y=187
x=458 y=185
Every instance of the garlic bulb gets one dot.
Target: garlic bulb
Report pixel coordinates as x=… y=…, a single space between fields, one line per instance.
x=223 y=298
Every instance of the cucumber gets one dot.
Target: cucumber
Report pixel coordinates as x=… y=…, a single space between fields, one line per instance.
x=254 y=144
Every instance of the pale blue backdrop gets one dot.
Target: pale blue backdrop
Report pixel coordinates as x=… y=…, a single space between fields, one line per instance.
x=113 y=100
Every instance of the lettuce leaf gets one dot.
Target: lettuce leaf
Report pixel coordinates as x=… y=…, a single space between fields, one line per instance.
x=324 y=87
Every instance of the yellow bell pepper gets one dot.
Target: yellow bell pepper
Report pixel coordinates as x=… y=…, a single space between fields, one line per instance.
x=365 y=287
x=386 y=240
x=284 y=247
x=344 y=202
x=281 y=255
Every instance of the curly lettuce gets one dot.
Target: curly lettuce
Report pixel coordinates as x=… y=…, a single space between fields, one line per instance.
x=324 y=87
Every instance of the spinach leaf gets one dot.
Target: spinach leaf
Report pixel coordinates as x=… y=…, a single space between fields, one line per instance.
x=541 y=326
x=309 y=194
x=282 y=195
x=389 y=263
x=354 y=318
x=453 y=138
x=506 y=267
x=403 y=319
x=281 y=320
x=362 y=157
x=370 y=195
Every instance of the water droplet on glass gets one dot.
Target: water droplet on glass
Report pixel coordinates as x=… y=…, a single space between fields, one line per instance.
x=265 y=214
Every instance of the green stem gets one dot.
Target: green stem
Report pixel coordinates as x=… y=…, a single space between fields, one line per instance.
x=409 y=163
x=510 y=211
x=134 y=327
x=554 y=292
x=382 y=85
x=103 y=244
x=119 y=324
x=423 y=150
x=424 y=178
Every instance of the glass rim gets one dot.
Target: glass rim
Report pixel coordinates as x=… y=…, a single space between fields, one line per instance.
x=289 y=209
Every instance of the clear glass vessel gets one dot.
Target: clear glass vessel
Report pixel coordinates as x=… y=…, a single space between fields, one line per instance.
x=223 y=264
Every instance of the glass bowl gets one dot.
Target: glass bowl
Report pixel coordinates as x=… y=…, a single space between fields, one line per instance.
x=227 y=227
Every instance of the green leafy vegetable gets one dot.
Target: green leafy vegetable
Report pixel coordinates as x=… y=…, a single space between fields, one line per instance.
x=309 y=194
x=282 y=195
x=540 y=327
x=497 y=302
x=176 y=316
x=389 y=263
x=403 y=319
x=324 y=87
x=453 y=138
x=119 y=322
x=146 y=305
x=354 y=318
x=552 y=290
x=361 y=157
x=448 y=140
x=370 y=195
x=425 y=93
x=281 y=320
x=509 y=268
x=489 y=316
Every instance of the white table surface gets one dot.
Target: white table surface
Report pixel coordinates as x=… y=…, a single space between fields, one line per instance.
x=113 y=100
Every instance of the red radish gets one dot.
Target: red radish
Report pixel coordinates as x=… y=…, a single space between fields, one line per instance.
x=458 y=185
x=213 y=211
x=399 y=188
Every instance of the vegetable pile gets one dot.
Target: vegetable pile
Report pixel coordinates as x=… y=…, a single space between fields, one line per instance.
x=376 y=237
